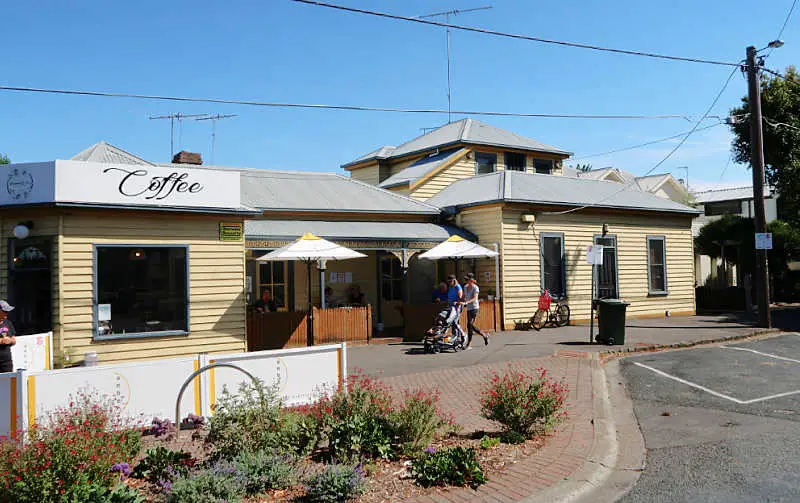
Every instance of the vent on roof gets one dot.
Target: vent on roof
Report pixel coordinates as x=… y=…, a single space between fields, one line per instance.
x=184 y=157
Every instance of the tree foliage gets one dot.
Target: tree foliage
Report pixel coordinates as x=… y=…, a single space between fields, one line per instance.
x=4 y=159
x=780 y=107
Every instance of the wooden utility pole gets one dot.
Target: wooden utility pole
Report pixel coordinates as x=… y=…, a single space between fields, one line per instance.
x=757 y=165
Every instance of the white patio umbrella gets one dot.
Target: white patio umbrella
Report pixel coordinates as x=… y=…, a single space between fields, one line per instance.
x=309 y=248
x=456 y=248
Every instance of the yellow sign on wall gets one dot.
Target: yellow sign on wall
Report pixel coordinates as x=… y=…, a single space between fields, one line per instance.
x=231 y=231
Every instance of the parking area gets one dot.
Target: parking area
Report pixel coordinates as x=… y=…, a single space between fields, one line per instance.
x=760 y=376
x=721 y=423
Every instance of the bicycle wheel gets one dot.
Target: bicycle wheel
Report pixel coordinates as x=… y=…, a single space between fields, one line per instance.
x=539 y=319
x=562 y=315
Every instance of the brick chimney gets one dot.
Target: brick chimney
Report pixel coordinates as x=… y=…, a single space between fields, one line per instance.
x=184 y=157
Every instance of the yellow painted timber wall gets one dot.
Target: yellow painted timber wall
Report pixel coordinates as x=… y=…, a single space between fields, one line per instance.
x=521 y=262
x=44 y=225
x=486 y=223
x=368 y=174
x=216 y=284
x=465 y=168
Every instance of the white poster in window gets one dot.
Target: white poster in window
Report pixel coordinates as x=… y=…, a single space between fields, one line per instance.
x=103 y=312
x=594 y=254
x=487 y=275
x=248 y=284
x=348 y=277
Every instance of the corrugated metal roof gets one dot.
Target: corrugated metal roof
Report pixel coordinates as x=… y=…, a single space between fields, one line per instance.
x=513 y=186
x=420 y=168
x=381 y=153
x=730 y=194
x=107 y=153
x=400 y=231
x=467 y=131
x=329 y=192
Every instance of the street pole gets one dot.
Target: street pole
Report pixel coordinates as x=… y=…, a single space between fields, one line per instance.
x=757 y=165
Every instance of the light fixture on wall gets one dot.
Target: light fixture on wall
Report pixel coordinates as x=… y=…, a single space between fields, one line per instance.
x=605 y=229
x=137 y=254
x=22 y=230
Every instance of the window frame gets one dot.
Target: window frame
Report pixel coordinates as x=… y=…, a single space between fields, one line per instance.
x=552 y=166
x=518 y=155
x=595 y=272
x=396 y=283
x=650 y=290
x=138 y=335
x=259 y=285
x=488 y=154
x=724 y=206
x=542 y=237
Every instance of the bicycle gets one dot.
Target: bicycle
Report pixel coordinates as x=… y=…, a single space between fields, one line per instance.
x=544 y=315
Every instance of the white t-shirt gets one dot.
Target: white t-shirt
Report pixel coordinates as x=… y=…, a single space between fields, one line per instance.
x=470 y=291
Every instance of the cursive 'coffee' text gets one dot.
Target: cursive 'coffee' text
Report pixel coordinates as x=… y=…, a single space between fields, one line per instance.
x=135 y=183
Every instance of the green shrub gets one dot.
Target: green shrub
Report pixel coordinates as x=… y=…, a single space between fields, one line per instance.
x=162 y=464
x=488 y=442
x=96 y=493
x=524 y=403
x=70 y=452
x=417 y=421
x=512 y=437
x=222 y=481
x=254 y=420
x=355 y=423
x=335 y=484
x=455 y=466
x=264 y=471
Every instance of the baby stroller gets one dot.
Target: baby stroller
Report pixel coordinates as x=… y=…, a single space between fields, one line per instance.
x=437 y=337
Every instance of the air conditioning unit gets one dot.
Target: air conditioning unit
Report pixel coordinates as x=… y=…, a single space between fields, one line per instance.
x=528 y=218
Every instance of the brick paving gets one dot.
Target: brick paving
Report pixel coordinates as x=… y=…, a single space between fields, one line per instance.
x=564 y=452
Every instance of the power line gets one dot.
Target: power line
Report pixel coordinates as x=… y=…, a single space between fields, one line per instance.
x=786 y=21
x=514 y=35
x=781 y=76
x=106 y=94
x=662 y=161
x=640 y=145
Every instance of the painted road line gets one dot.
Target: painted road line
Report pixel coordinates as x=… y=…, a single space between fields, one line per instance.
x=770 y=397
x=768 y=355
x=689 y=383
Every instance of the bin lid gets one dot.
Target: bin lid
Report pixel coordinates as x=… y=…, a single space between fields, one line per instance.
x=614 y=302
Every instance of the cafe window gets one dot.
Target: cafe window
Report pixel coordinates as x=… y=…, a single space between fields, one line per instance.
x=552 y=262
x=543 y=166
x=272 y=276
x=515 y=162
x=485 y=163
x=141 y=291
x=656 y=265
x=391 y=279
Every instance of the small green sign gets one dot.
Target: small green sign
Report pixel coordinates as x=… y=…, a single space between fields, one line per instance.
x=231 y=231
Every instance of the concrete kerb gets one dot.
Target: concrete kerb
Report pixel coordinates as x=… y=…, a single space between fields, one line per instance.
x=600 y=463
x=687 y=344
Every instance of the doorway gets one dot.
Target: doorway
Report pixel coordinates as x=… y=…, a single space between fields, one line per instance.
x=391 y=291
x=30 y=284
x=607 y=286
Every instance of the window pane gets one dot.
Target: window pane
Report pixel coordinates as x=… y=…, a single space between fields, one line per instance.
x=514 y=161
x=485 y=163
x=656 y=251
x=277 y=272
x=386 y=289
x=146 y=287
x=552 y=266
x=656 y=264
x=657 y=278
x=279 y=295
x=265 y=273
x=543 y=166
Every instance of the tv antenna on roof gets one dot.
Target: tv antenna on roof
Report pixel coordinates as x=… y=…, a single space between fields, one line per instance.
x=172 y=118
x=446 y=15
x=214 y=119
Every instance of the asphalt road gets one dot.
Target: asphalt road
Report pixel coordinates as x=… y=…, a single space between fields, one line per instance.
x=720 y=424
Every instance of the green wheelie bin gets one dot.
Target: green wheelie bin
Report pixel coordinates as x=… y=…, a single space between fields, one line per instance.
x=611 y=321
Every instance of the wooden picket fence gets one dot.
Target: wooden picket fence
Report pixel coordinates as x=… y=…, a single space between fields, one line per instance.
x=290 y=329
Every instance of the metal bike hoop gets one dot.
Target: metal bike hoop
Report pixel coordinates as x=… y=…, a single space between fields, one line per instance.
x=200 y=371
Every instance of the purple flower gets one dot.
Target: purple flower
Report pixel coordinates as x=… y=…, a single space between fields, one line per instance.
x=430 y=450
x=122 y=468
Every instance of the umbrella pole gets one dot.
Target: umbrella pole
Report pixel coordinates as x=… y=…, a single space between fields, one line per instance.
x=310 y=324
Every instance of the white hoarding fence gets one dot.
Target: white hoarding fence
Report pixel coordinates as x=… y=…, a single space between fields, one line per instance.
x=33 y=352
x=150 y=389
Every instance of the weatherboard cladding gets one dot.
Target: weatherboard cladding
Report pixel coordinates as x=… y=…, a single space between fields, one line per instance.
x=396 y=231
x=512 y=186
x=420 y=168
x=469 y=131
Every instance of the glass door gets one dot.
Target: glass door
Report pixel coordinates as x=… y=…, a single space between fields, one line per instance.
x=606 y=280
x=30 y=284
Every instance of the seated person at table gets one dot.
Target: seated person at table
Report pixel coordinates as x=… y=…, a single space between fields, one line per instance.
x=355 y=297
x=440 y=293
x=265 y=303
x=330 y=299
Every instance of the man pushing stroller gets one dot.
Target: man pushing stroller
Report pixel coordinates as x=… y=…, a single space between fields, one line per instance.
x=448 y=318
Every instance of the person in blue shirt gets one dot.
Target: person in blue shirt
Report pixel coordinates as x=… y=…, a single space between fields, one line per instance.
x=440 y=294
x=455 y=297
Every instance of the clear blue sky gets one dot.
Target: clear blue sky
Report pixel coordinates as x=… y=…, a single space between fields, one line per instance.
x=278 y=50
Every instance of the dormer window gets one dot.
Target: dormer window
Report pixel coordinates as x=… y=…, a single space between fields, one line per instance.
x=485 y=163
x=515 y=162
x=543 y=166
